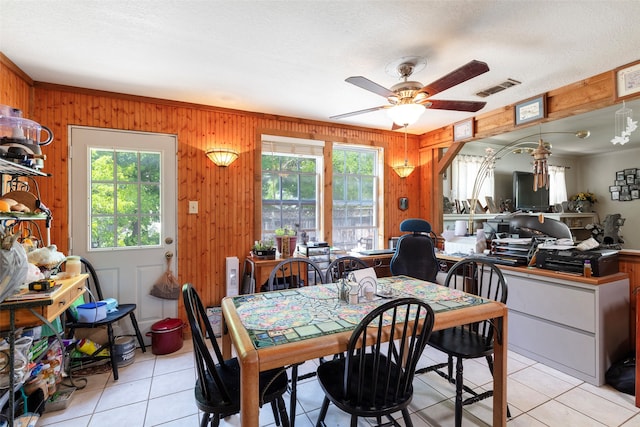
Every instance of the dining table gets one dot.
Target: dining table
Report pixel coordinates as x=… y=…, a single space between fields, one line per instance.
x=270 y=330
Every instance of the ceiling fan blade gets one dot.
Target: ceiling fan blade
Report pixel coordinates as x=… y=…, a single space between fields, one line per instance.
x=355 y=113
x=441 y=104
x=367 y=84
x=396 y=126
x=462 y=74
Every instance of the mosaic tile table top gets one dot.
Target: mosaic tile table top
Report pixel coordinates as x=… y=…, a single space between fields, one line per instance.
x=279 y=317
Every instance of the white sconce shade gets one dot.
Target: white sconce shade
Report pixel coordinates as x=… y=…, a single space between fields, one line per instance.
x=222 y=156
x=406 y=114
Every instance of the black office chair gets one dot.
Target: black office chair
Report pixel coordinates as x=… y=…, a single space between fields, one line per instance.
x=217 y=388
x=294 y=273
x=375 y=379
x=478 y=276
x=122 y=311
x=339 y=266
x=415 y=254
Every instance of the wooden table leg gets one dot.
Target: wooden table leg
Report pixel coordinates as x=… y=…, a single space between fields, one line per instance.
x=500 y=375
x=249 y=390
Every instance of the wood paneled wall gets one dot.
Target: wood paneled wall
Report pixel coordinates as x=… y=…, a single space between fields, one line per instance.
x=225 y=223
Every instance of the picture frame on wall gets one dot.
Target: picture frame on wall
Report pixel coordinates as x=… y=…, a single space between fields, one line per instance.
x=615 y=195
x=531 y=110
x=463 y=130
x=628 y=80
x=619 y=175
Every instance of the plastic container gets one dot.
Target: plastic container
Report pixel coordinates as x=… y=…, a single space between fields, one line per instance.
x=72 y=266
x=166 y=336
x=92 y=312
x=59 y=400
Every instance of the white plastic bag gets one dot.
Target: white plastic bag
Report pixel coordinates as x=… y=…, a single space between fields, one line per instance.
x=13 y=269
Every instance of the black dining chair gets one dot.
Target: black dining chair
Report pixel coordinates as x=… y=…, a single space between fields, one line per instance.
x=294 y=273
x=120 y=312
x=287 y=274
x=481 y=277
x=339 y=266
x=217 y=389
x=375 y=379
x=415 y=254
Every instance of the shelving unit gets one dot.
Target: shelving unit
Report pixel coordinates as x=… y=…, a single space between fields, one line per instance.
x=44 y=306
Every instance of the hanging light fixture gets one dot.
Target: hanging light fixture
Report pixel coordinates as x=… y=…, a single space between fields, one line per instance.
x=624 y=125
x=222 y=156
x=404 y=170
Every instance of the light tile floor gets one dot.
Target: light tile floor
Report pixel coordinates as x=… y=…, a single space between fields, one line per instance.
x=158 y=391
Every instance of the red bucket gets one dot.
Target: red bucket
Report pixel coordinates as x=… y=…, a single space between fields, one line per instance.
x=166 y=336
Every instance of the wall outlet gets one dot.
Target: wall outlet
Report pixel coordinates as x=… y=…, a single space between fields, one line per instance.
x=193 y=207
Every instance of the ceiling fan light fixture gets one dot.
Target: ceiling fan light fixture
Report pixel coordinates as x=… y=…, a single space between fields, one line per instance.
x=406 y=114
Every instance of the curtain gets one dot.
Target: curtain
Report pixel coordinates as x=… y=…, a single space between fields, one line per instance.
x=557 y=185
x=464 y=173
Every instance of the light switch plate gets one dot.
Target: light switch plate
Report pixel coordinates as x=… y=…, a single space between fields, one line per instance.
x=193 y=207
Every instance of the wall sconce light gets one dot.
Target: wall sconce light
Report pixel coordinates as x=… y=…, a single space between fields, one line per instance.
x=222 y=156
x=405 y=169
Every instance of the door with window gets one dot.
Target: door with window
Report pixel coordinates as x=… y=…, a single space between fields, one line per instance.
x=123 y=214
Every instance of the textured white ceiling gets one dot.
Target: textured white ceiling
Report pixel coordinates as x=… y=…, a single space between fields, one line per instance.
x=291 y=57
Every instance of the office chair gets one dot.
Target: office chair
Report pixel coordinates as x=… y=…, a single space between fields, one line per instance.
x=415 y=254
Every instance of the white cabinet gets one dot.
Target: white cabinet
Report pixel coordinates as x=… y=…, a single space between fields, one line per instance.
x=578 y=326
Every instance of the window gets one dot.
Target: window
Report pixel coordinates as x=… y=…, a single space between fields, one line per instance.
x=290 y=189
x=355 y=197
x=465 y=170
x=125 y=198
x=557 y=185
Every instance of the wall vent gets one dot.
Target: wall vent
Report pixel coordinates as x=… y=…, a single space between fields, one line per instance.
x=497 y=88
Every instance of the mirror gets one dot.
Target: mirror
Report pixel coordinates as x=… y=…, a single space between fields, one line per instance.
x=592 y=163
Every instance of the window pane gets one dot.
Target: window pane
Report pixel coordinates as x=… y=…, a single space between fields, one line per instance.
x=308 y=187
x=150 y=200
x=368 y=186
x=102 y=165
x=289 y=164
x=270 y=186
x=127 y=198
x=352 y=162
x=290 y=187
x=127 y=166
x=102 y=201
x=127 y=230
x=353 y=188
x=338 y=188
x=102 y=232
x=150 y=230
x=367 y=163
x=338 y=161
x=150 y=167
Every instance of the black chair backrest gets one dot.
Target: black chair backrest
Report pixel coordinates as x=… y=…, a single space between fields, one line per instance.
x=201 y=332
x=294 y=273
x=415 y=254
x=481 y=277
x=339 y=266
x=380 y=374
x=93 y=283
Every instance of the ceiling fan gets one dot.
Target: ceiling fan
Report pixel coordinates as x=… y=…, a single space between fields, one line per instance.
x=407 y=95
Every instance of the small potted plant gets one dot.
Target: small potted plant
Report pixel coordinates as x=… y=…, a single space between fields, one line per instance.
x=264 y=249
x=286 y=241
